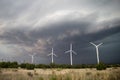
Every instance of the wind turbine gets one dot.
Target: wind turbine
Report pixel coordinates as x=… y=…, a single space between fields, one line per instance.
x=71 y=52
x=1 y=59
x=52 y=54
x=32 y=57
x=97 y=52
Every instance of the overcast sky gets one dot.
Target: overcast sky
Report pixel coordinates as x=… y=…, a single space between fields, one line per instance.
x=35 y=26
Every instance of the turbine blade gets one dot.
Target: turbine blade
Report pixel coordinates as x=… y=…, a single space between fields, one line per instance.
x=74 y=52
x=93 y=44
x=99 y=44
x=67 y=51
x=55 y=55
x=49 y=54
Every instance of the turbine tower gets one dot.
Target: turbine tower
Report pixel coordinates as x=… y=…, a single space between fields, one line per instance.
x=97 y=52
x=52 y=55
x=32 y=57
x=71 y=52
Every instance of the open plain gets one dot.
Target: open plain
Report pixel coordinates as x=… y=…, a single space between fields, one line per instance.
x=60 y=74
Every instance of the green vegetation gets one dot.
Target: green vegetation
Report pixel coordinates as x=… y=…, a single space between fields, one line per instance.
x=53 y=77
x=30 y=74
x=8 y=65
x=41 y=78
x=101 y=66
x=28 y=66
x=26 y=71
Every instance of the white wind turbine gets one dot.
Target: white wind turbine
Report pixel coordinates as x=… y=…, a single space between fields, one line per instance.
x=32 y=57
x=52 y=55
x=97 y=52
x=71 y=52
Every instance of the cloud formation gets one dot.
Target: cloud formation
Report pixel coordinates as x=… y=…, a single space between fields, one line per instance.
x=37 y=26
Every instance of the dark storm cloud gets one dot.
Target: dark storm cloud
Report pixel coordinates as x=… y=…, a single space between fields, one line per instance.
x=55 y=31
x=23 y=34
x=28 y=26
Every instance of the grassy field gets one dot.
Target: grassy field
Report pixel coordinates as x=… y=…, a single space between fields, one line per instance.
x=60 y=74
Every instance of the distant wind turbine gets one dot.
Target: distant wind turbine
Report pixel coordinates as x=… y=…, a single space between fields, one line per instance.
x=32 y=57
x=71 y=52
x=1 y=59
x=52 y=55
x=97 y=52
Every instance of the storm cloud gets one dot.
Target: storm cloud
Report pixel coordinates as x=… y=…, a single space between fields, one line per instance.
x=28 y=27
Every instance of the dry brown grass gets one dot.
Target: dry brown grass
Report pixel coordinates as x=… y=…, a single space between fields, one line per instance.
x=60 y=74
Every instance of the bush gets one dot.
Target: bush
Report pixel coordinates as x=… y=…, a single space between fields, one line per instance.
x=42 y=66
x=101 y=66
x=53 y=65
x=30 y=66
x=8 y=65
x=41 y=78
x=30 y=74
x=13 y=65
x=23 y=65
x=27 y=66
x=68 y=78
x=4 y=64
x=53 y=77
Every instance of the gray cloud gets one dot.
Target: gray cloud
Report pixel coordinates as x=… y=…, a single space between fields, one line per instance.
x=36 y=26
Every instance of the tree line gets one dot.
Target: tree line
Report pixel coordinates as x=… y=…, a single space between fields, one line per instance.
x=100 y=66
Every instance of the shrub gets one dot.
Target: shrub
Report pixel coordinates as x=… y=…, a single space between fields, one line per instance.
x=88 y=73
x=8 y=65
x=41 y=78
x=0 y=71
x=13 y=65
x=30 y=74
x=68 y=78
x=101 y=66
x=53 y=65
x=53 y=77
x=4 y=64
x=30 y=66
x=23 y=65
x=14 y=70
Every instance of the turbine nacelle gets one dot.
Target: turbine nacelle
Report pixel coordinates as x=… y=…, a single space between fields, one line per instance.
x=52 y=53
x=71 y=51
